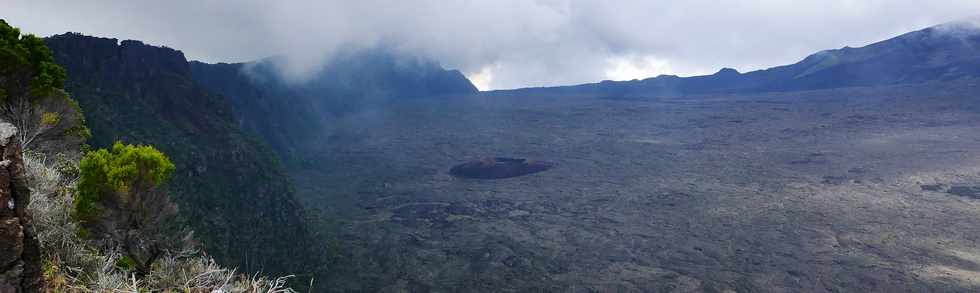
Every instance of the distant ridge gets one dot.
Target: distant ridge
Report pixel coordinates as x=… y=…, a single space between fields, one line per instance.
x=943 y=52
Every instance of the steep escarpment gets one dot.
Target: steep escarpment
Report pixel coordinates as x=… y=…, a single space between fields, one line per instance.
x=261 y=107
x=230 y=187
x=20 y=262
x=293 y=115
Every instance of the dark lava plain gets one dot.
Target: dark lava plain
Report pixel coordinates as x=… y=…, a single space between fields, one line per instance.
x=845 y=190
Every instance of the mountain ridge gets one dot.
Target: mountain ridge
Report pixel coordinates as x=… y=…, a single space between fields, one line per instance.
x=942 y=52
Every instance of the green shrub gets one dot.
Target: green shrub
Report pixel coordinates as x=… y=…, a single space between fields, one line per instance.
x=127 y=171
x=121 y=199
x=70 y=264
x=31 y=92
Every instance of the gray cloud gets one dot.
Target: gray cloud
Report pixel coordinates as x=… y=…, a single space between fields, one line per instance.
x=501 y=43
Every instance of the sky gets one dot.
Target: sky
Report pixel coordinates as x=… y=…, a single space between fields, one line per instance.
x=500 y=44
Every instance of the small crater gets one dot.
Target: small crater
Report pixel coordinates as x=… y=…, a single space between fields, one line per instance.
x=966 y=191
x=834 y=180
x=499 y=168
x=808 y=160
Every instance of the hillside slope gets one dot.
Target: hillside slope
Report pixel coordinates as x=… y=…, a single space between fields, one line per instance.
x=290 y=115
x=944 y=52
x=230 y=186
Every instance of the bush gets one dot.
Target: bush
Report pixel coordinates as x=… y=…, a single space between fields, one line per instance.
x=122 y=200
x=72 y=265
x=31 y=94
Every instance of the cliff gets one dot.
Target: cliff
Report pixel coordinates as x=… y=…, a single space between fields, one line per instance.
x=229 y=188
x=293 y=116
x=20 y=262
x=265 y=110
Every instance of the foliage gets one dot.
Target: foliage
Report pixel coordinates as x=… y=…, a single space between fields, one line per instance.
x=66 y=167
x=231 y=190
x=72 y=264
x=31 y=94
x=120 y=195
x=127 y=171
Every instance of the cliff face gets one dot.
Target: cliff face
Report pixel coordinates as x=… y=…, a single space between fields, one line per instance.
x=281 y=119
x=20 y=262
x=229 y=187
x=292 y=116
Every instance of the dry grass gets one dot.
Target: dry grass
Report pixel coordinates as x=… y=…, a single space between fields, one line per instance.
x=72 y=264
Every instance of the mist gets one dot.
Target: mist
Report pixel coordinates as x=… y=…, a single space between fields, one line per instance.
x=500 y=44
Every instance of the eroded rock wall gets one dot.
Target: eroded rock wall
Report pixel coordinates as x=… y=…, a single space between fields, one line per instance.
x=20 y=255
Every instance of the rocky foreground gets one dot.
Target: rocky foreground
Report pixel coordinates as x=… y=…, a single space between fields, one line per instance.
x=20 y=262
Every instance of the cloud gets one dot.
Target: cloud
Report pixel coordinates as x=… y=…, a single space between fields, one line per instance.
x=501 y=43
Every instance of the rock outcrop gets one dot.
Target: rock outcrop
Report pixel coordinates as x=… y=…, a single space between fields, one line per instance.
x=20 y=254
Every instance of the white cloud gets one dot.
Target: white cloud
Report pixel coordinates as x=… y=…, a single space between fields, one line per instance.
x=502 y=43
x=627 y=68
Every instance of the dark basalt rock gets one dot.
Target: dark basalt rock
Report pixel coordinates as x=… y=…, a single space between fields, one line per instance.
x=499 y=168
x=20 y=252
